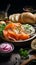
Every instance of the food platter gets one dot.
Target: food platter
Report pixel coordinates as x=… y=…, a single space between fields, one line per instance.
x=18 y=30
x=18 y=39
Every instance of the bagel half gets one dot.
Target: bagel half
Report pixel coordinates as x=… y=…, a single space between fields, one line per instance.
x=33 y=44
x=35 y=17
x=28 y=17
x=15 y=17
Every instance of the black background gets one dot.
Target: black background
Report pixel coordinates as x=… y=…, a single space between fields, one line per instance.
x=17 y=5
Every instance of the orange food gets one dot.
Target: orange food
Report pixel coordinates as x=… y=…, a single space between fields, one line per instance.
x=12 y=25
x=24 y=36
x=10 y=34
x=9 y=26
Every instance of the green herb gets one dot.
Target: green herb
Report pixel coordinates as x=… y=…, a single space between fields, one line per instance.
x=2 y=26
x=28 y=29
x=27 y=26
x=23 y=52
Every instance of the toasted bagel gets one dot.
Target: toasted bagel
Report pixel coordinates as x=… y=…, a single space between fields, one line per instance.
x=28 y=17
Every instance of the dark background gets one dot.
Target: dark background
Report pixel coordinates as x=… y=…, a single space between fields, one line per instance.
x=17 y=5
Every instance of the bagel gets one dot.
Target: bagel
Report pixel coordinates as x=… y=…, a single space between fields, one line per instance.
x=11 y=17
x=18 y=17
x=2 y=22
x=15 y=17
x=35 y=17
x=33 y=44
x=25 y=17
x=28 y=17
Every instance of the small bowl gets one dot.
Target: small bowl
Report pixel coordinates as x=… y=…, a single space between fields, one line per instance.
x=6 y=55
x=33 y=44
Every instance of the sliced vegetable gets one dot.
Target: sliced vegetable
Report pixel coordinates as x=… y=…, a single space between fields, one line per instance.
x=6 y=47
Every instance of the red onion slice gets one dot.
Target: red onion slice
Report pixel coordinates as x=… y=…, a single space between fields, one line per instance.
x=6 y=47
